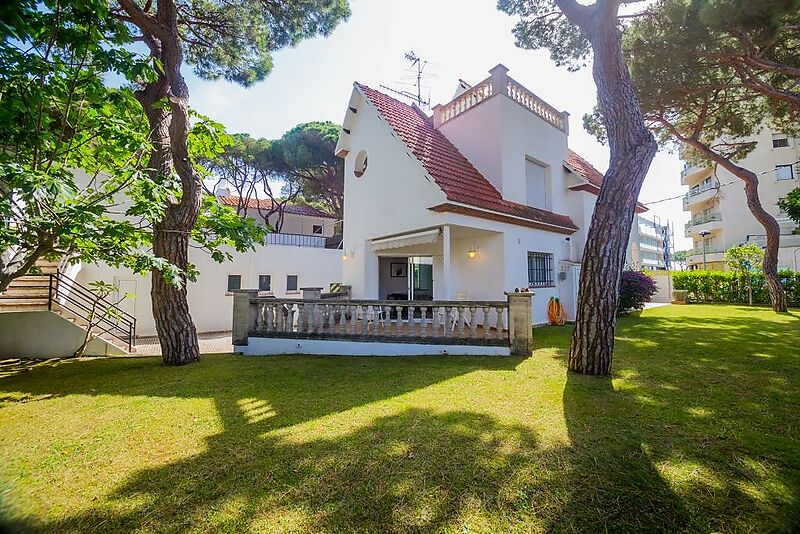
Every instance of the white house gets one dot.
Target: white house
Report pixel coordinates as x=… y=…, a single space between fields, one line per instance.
x=481 y=198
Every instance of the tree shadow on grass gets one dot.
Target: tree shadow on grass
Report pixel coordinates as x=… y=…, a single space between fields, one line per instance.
x=296 y=388
x=665 y=446
x=698 y=430
x=398 y=474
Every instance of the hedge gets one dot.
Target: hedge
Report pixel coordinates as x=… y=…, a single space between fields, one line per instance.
x=728 y=286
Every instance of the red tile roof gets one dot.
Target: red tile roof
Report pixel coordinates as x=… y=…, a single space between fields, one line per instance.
x=575 y=163
x=266 y=204
x=583 y=168
x=459 y=180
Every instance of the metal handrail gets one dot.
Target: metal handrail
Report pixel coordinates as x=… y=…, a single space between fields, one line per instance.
x=300 y=240
x=71 y=296
x=79 y=296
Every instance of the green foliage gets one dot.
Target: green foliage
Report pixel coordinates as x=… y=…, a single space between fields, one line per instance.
x=543 y=25
x=70 y=146
x=681 y=255
x=744 y=258
x=219 y=227
x=690 y=61
x=235 y=40
x=791 y=205
x=306 y=157
x=302 y=164
x=731 y=286
x=73 y=150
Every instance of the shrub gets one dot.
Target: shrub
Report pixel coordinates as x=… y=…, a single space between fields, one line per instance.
x=729 y=286
x=635 y=291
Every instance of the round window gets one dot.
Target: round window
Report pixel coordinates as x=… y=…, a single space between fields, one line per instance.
x=361 y=164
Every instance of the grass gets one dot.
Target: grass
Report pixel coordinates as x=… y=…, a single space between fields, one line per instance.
x=698 y=430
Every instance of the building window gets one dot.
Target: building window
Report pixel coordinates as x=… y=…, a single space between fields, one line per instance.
x=234 y=282
x=360 y=166
x=291 y=282
x=779 y=141
x=264 y=282
x=784 y=172
x=540 y=269
x=536 y=183
x=316 y=229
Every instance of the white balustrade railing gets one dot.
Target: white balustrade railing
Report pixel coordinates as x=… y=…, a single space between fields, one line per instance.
x=527 y=99
x=499 y=83
x=470 y=98
x=409 y=320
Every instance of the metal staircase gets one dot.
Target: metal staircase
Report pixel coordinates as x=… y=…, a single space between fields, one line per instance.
x=56 y=292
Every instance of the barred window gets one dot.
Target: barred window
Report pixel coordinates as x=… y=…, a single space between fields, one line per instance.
x=540 y=269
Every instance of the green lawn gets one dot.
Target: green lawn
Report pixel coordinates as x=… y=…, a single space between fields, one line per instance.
x=698 y=430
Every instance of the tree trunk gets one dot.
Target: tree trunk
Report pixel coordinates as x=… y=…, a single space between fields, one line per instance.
x=169 y=124
x=632 y=150
x=176 y=331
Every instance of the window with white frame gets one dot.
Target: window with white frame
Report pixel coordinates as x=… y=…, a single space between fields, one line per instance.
x=784 y=172
x=291 y=282
x=264 y=282
x=536 y=184
x=234 y=282
x=779 y=141
x=540 y=269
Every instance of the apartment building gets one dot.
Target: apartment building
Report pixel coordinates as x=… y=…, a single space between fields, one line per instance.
x=716 y=201
x=651 y=244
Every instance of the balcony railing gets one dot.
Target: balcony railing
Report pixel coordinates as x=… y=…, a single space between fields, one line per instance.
x=699 y=191
x=709 y=250
x=297 y=240
x=703 y=220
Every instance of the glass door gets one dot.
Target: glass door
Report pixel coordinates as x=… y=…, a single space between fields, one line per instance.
x=420 y=278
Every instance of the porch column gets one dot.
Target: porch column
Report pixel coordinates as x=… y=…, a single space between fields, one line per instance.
x=520 y=327
x=446 y=283
x=245 y=312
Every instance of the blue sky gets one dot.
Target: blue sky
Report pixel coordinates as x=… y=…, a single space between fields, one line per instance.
x=461 y=39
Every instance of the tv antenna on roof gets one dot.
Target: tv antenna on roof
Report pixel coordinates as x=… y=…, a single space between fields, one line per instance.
x=420 y=64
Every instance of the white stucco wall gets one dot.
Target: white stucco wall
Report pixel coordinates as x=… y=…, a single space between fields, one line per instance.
x=44 y=334
x=209 y=303
x=296 y=224
x=392 y=197
x=498 y=135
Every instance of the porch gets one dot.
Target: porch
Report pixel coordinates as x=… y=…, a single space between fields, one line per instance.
x=315 y=325
x=444 y=263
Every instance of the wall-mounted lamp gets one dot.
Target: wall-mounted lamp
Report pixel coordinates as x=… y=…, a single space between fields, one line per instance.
x=347 y=254
x=471 y=253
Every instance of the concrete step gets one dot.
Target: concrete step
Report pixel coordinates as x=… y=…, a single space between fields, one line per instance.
x=10 y=306
x=31 y=280
x=84 y=324
x=25 y=291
